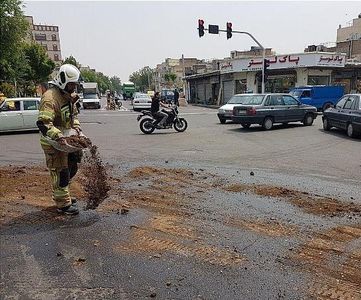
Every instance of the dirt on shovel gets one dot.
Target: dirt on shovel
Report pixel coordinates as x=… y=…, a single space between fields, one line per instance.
x=78 y=141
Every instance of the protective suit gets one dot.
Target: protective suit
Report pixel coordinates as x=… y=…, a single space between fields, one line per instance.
x=58 y=112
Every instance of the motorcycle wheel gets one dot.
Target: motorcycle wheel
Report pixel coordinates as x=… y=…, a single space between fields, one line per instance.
x=180 y=125
x=146 y=126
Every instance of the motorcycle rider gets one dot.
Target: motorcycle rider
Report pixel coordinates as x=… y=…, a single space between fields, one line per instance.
x=156 y=113
x=57 y=112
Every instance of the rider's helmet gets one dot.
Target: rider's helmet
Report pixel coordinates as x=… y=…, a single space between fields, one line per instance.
x=67 y=73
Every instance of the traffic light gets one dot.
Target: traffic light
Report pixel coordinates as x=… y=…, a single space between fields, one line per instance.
x=266 y=64
x=200 y=28
x=229 y=30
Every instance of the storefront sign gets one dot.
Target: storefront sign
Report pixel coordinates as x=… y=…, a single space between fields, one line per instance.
x=286 y=62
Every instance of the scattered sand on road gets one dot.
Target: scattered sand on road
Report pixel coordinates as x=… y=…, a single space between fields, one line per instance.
x=179 y=225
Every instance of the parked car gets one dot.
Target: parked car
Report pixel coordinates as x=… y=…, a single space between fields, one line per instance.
x=320 y=96
x=268 y=109
x=141 y=101
x=345 y=115
x=18 y=114
x=225 y=112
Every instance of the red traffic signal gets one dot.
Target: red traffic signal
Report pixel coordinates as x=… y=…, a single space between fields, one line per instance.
x=229 y=30
x=200 y=28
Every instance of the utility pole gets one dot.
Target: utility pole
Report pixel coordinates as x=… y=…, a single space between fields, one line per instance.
x=214 y=29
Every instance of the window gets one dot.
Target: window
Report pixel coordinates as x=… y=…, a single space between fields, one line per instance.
x=318 y=80
x=11 y=106
x=348 y=103
x=288 y=100
x=40 y=36
x=55 y=47
x=276 y=100
x=53 y=37
x=56 y=57
x=306 y=94
x=341 y=103
x=31 y=105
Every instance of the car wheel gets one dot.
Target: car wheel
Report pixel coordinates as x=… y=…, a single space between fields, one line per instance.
x=308 y=120
x=350 y=131
x=326 y=105
x=267 y=123
x=246 y=125
x=326 y=124
x=223 y=121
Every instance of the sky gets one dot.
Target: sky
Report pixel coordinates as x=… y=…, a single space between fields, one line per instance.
x=121 y=37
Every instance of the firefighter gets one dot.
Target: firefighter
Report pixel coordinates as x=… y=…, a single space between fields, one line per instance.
x=57 y=112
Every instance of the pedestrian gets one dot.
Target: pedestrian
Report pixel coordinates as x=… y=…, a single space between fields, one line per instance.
x=176 y=97
x=108 y=99
x=58 y=112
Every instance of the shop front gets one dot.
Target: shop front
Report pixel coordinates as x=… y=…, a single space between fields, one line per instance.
x=287 y=71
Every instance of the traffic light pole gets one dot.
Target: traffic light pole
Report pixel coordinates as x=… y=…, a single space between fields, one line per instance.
x=258 y=43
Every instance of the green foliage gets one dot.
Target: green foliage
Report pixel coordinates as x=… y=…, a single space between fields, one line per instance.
x=104 y=83
x=143 y=79
x=8 y=89
x=71 y=60
x=40 y=65
x=116 y=84
x=13 y=30
x=170 y=77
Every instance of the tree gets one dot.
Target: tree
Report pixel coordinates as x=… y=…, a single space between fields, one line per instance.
x=143 y=78
x=71 y=60
x=170 y=77
x=41 y=66
x=103 y=81
x=116 y=84
x=13 y=30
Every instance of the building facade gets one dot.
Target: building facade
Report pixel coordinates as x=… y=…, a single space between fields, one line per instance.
x=285 y=72
x=48 y=37
x=180 y=67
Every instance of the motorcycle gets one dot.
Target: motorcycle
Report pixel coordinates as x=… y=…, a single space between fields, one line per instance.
x=148 y=122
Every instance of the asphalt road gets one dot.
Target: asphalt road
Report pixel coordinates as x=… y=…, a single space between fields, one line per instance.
x=209 y=231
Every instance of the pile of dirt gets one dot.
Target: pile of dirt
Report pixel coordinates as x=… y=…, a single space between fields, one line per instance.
x=96 y=180
x=79 y=141
x=26 y=189
x=310 y=203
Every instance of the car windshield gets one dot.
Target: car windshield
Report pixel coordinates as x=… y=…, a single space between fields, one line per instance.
x=236 y=100
x=142 y=96
x=296 y=93
x=250 y=99
x=90 y=96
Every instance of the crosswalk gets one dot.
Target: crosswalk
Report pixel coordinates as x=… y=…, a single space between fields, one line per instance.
x=124 y=111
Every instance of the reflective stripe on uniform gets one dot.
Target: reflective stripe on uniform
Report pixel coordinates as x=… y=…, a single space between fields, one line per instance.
x=46 y=115
x=60 y=194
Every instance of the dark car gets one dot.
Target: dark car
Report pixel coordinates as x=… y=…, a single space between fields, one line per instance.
x=167 y=96
x=267 y=109
x=345 y=115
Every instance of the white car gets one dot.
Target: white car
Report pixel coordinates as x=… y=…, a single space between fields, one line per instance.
x=225 y=112
x=91 y=101
x=141 y=101
x=18 y=114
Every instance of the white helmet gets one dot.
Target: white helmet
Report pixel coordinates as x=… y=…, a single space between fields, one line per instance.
x=67 y=73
